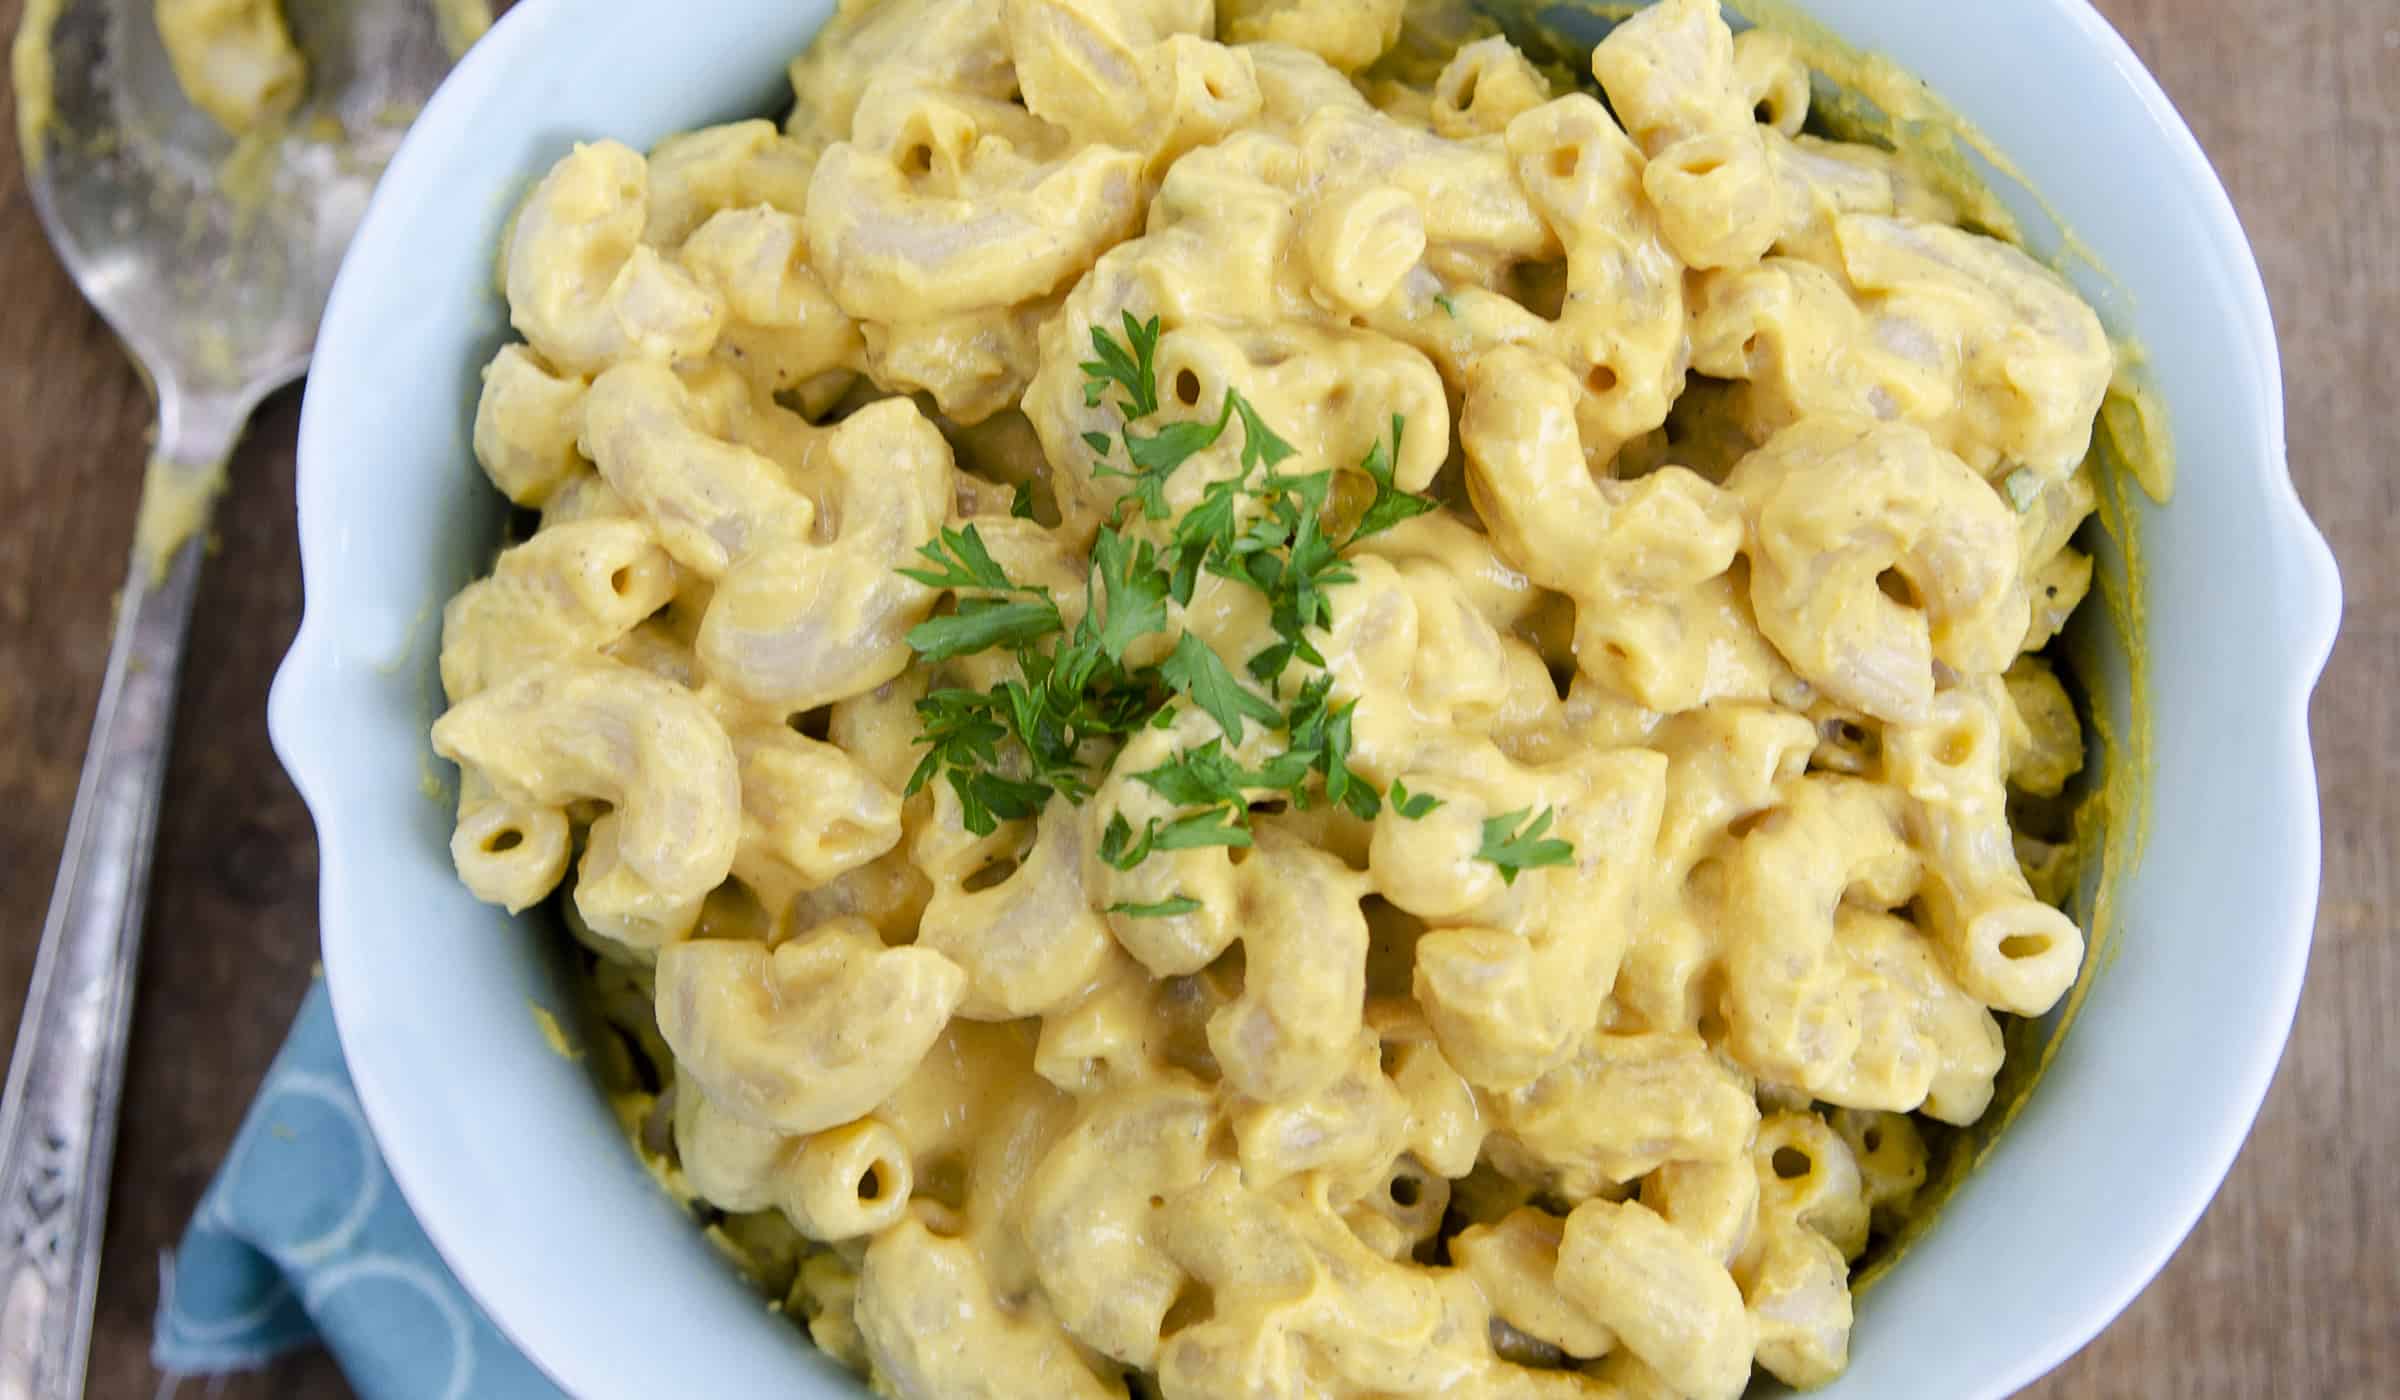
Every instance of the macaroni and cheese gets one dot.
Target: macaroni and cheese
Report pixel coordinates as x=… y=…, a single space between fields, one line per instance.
x=1233 y=727
x=235 y=59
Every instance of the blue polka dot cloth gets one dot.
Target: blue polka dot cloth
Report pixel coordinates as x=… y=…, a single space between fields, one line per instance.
x=303 y=1238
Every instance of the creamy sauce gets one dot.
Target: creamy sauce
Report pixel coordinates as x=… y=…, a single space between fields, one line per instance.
x=462 y=23
x=553 y=1034
x=30 y=69
x=176 y=501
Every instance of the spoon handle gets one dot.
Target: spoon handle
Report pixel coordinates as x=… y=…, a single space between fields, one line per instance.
x=58 y=1122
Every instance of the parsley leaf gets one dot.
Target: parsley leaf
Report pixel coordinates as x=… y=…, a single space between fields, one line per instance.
x=1130 y=365
x=981 y=624
x=1166 y=908
x=1218 y=828
x=1155 y=456
x=1515 y=845
x=1285 y=554
x=1123 y=850
x=1195 y=670
x=1391 y=504
x=1260 y=445
x=1020 y=501
x=1322 y=730
x=1203 y=777
x=964 y=564
x=1285 y=772
x=964 y=731
x=1416 y=806
x=1269 y=662
x=1136 y=594
x=986 y=799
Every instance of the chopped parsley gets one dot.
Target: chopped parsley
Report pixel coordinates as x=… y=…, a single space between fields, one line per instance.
x=1416 y=806
x=1517 y=845
x=1166 y=908
x=1055 y=728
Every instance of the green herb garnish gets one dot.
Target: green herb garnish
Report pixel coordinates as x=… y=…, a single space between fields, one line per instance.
x=1516 y=845
x=1416 y=806
x=1055 y=727
x=1166 y=908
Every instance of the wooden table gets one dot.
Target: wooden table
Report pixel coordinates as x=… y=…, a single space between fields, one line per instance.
x=2291 y=1285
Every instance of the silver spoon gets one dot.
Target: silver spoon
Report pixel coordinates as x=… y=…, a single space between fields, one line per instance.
x=212 y=264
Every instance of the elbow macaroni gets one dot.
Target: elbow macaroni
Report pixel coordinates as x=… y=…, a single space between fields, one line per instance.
x=234 y=58
x=1349 y=1110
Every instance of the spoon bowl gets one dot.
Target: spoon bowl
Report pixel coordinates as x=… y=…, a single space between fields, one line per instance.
x=210 y=255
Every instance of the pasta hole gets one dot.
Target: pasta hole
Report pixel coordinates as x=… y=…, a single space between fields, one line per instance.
x=503 y=841
x=1791 y=1164
x=1540 y=287
x=2024 y=945
x=1392 y=934
x=1616 y=651
x=1873 y=1138
x=1214 y=89
x=943 y=1181
x=1187 y=388
x=1750 y=346
x=1602 y=379
x=1713 y=1027
x=989 y=875
x=1563 y=162
x=1194 y=1304
x=815 y=724
x=1895 y=586
x=1764 y=819
x=621 y=582
x=1406 y=1191
x=917 y=160
x=1764 y=113
x=1158 y=1203
x=870 y=1184
x=1956 y=748
x=1701 y=167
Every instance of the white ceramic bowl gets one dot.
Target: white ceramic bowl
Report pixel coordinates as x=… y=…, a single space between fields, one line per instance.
x=516 y=1168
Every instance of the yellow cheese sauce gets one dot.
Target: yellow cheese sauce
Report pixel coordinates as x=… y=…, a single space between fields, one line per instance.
x=554 y=1035
x=176 y=501
x=30 y=70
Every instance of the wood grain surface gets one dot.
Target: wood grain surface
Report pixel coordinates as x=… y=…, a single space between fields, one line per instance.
x=2291 y=1284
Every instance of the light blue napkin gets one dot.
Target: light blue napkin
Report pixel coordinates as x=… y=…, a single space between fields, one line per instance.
x=303 y=1237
